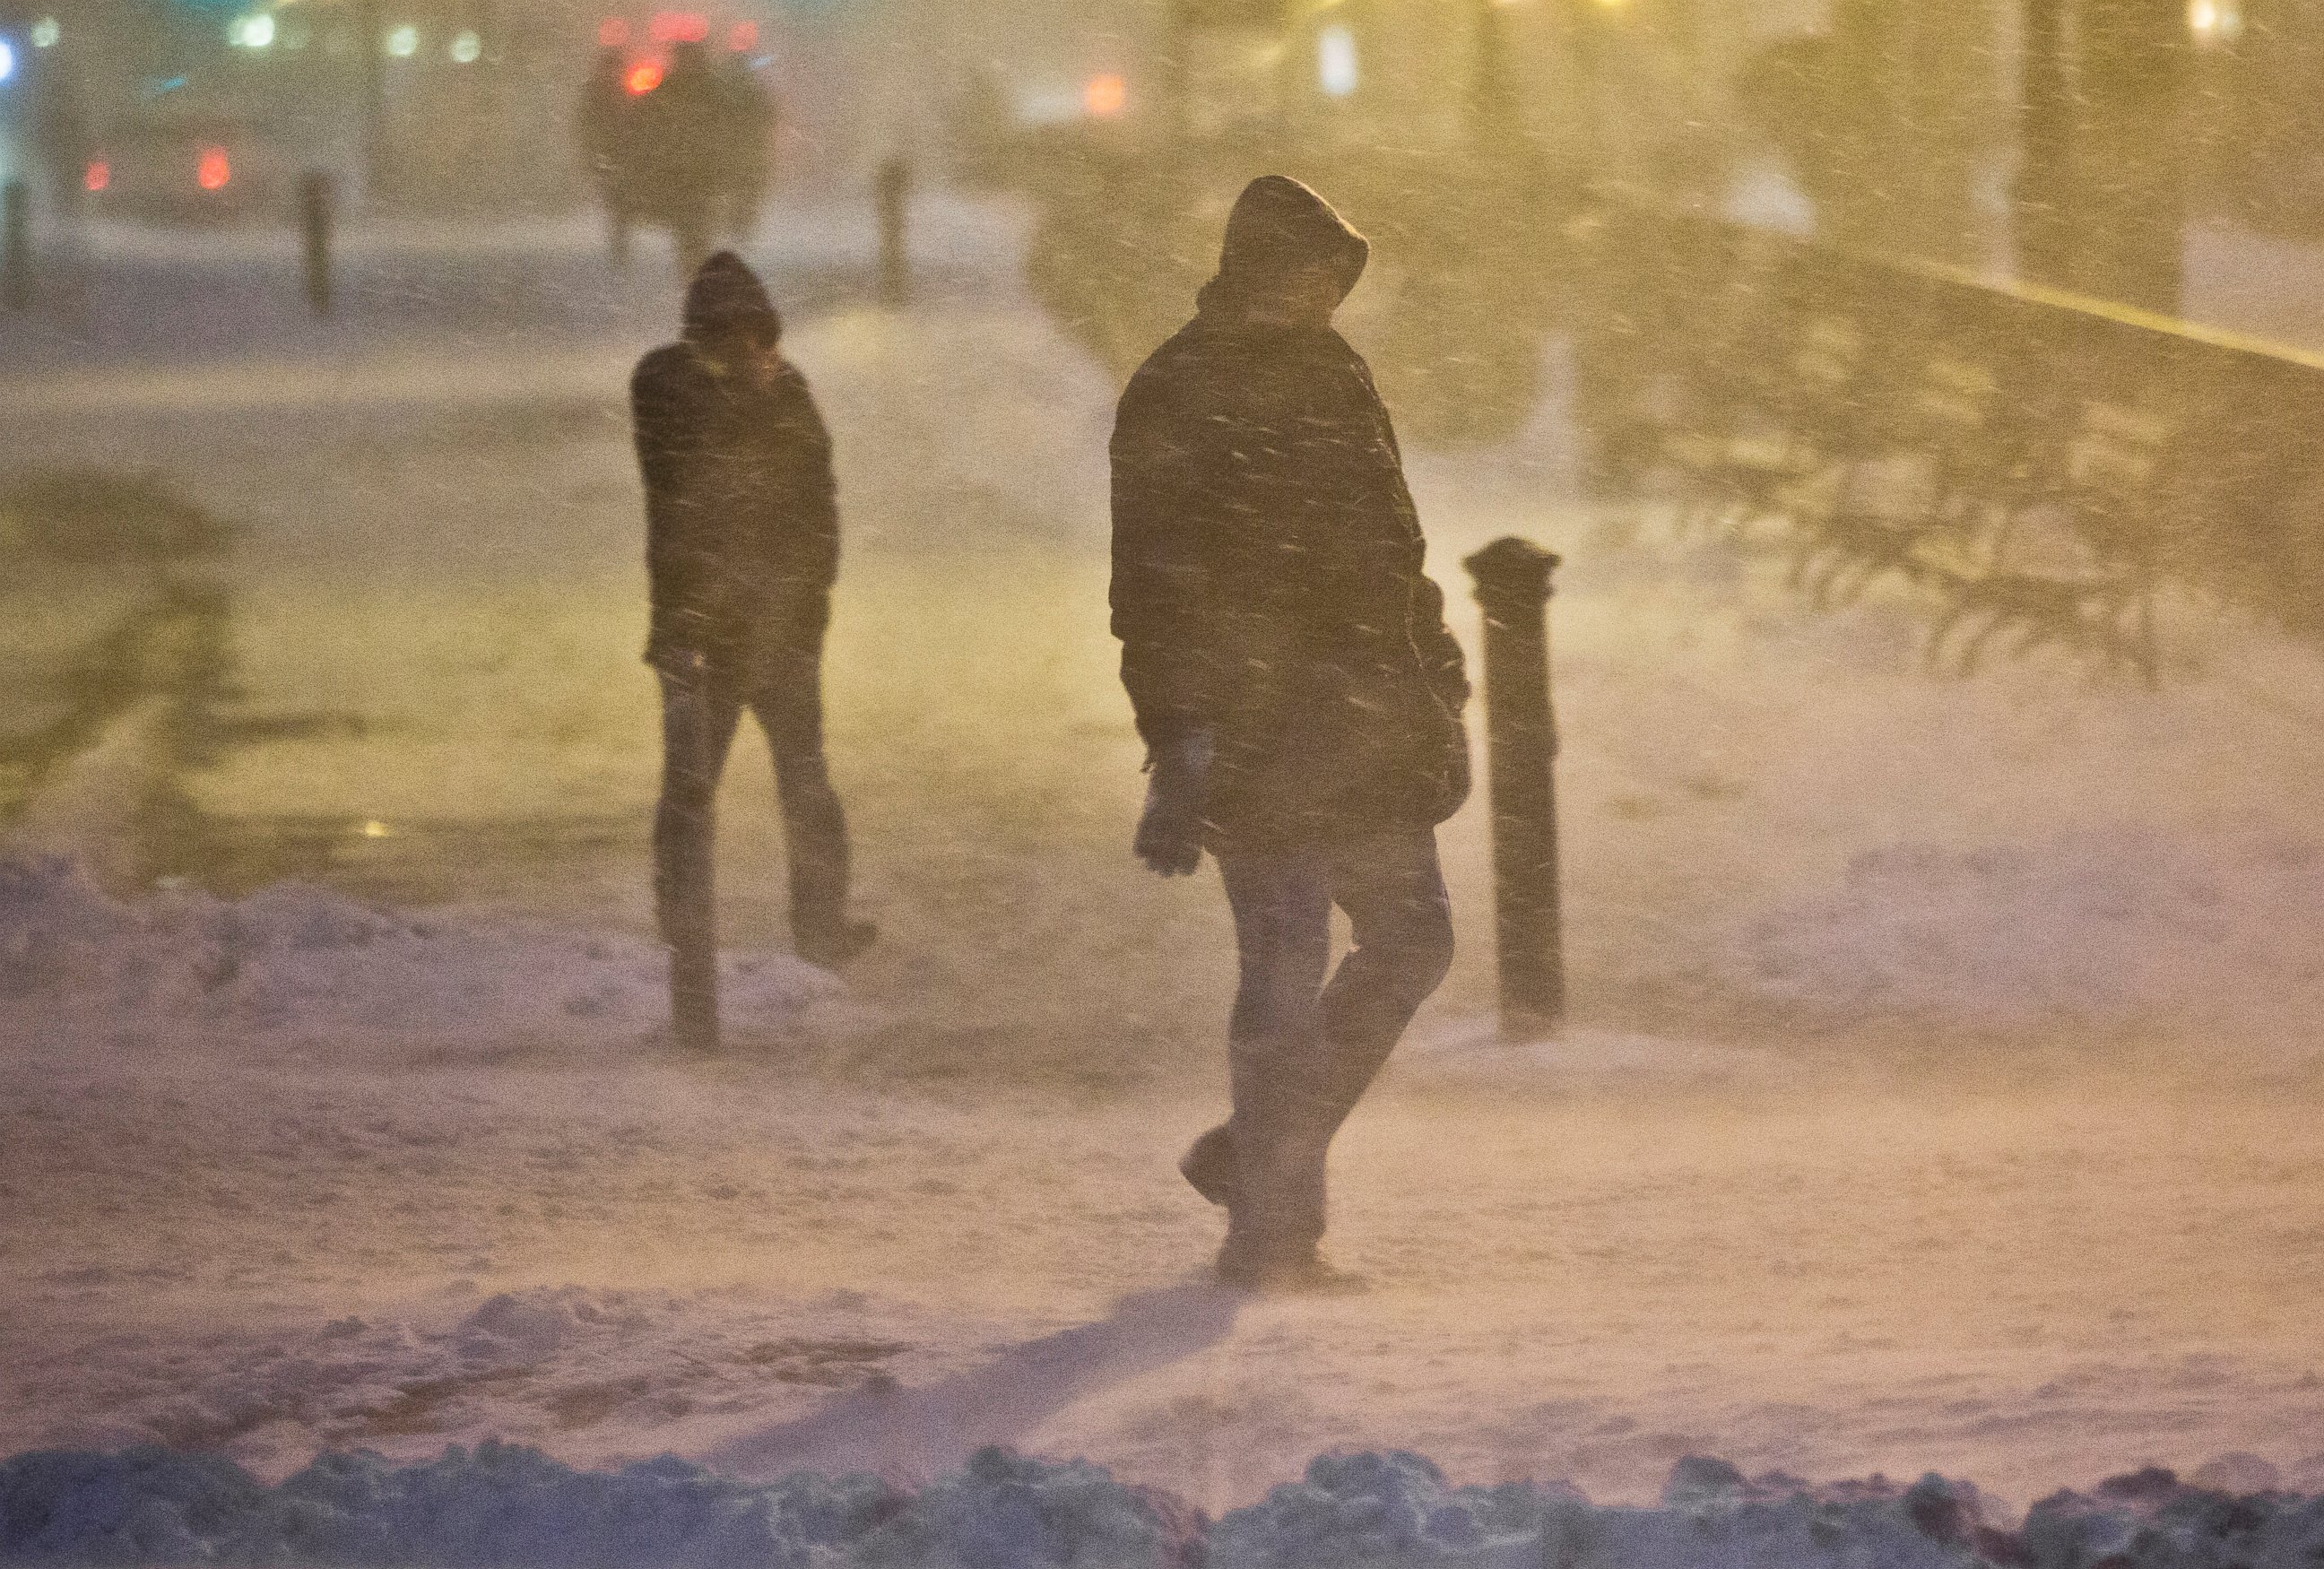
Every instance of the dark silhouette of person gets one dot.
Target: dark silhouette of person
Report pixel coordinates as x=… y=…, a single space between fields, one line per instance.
x=1299 y=696
x=891 y=197
x=603 y=132
x=741 y=552
x=746 y=127
x=684 y=163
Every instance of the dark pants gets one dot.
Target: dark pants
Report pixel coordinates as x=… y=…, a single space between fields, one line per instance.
x=1302 y=1051
x=699 y=714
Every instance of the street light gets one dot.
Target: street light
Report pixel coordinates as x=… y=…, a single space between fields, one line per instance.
x=2215 y=21
x=1337 y=68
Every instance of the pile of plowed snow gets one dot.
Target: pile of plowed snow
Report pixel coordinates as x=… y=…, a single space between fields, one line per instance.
x=2216 y=936
x=294 y=964
x=504 y=1505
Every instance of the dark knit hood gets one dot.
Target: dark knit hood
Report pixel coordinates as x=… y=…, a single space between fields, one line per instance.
x=1278 y=225
x=726 y=295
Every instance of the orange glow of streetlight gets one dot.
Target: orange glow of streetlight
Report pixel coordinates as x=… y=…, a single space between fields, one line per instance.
x=1106 y=95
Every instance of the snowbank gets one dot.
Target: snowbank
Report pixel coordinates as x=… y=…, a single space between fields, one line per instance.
x=2106 y=925
x=294 y=964
x=504 y=1505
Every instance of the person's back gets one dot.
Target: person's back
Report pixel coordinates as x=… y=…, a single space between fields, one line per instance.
x=682 y=156
x=1298 y=693
x=1267 y=581
x=742 y=552
x=746 y=122
x=598 y=112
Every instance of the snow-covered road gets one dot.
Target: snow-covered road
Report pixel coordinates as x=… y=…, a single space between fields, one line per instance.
x=1941 y=1094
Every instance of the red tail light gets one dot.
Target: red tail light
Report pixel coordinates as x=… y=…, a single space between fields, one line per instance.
x=97 y=176
x=644 y=77
x=213 y=171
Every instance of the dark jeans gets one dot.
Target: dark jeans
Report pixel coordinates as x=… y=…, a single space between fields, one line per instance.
x=699 y=714
x=1302 y=1051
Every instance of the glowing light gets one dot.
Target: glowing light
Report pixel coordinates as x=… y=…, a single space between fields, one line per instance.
x=678 y=27
x=2215 y=21
x=253 y=31
x=212 y=170
x=1106 y=97
x=1335 y=62
x=612 y=33
x=47 y=33
x=7 y=59
x=466 y=47
x=404 y=42
x=376 y=829
x=743 y=37
x=97 y=176
x=644 y=77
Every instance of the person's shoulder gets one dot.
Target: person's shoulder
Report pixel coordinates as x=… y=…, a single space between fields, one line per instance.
x=1172 y=370
x=665 y=366
x=1345 y=353
x=790 y=382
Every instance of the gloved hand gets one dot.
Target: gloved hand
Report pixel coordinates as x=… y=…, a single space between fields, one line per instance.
x=1170 y=830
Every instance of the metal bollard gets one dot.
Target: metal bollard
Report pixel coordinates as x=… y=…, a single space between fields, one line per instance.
x=15 y=245
x=892 y=191
x=316 y=193
x=1513 y=587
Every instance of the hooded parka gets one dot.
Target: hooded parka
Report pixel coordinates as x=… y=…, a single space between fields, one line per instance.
x=742 y=510
x=1268 y=584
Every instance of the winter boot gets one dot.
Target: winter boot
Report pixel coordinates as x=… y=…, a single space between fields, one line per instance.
x=694 y=1000
x=828 y=949
x=1277 y=1271
x=1209 y=1166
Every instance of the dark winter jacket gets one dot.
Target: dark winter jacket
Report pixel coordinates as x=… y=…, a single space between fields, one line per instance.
x=741 y=513
x=1266 y=564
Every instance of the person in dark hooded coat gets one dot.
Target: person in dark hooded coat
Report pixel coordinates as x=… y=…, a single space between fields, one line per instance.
x=1299 y=696
x=741 y=552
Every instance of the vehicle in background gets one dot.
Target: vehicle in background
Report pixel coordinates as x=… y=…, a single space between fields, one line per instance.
x=191 y=168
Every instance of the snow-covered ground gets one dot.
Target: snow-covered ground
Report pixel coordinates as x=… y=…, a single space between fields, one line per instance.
x=1941 y=1092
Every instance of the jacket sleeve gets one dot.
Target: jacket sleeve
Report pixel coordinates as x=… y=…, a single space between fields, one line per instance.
x=1441 y=662
x=814 y=501
x=1164 y=597
x=669 y=435
x=1441 y=659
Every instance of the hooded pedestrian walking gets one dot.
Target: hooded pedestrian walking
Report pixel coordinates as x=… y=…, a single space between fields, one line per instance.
x=1299 y=695
x=741 y=552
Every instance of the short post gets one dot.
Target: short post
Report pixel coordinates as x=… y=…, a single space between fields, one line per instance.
x=892 y=191
x=15 y=245
x=315 y=204
x=1513 y=587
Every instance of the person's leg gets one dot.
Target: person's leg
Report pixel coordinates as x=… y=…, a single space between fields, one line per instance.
x=789 y=701
x=697 y=725
x=1401 y=920
x=1283 y=942
x=689 y=232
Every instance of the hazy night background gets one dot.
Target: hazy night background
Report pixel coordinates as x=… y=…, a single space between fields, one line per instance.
x=1924 y=399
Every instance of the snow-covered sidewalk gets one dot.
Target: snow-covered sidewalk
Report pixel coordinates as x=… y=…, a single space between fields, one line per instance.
x=1940 y=1094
